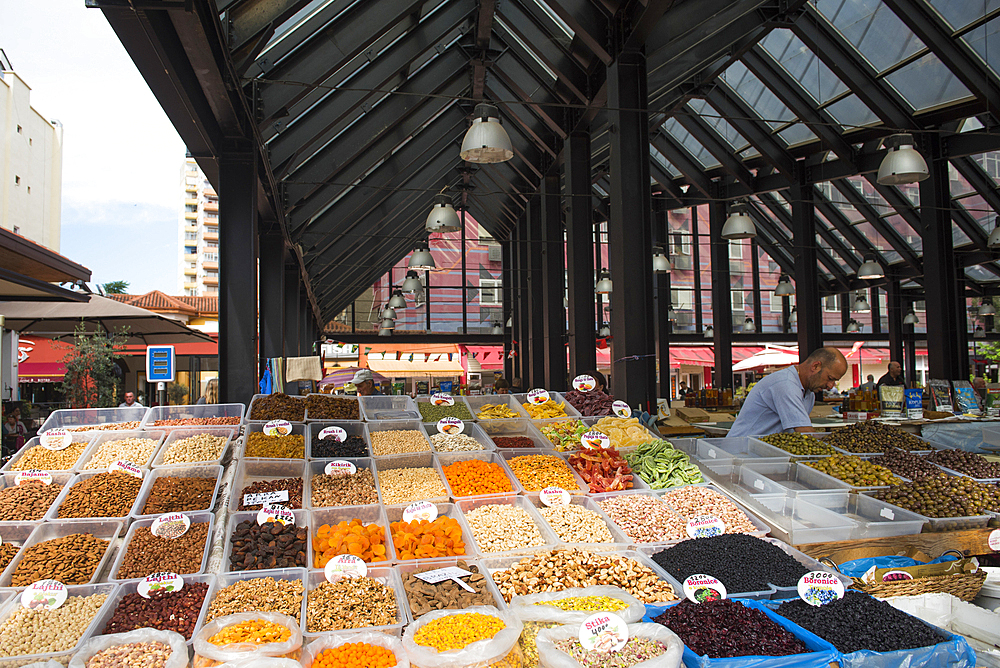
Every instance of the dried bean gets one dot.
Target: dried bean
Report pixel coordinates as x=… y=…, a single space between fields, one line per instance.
x=259 y=444
x=198 y=422
x=7 y=553
x=269 y=545
x=258 y=595
x=136 y=450
x=407 y=485
x=43 y=459
x=352 y=603
x=145 y=654
x=513 y=442
x=71 y=559
x=502 y=527
x=131 y=425
x=28 y=501
x=690 y=502
x=322 y=407
x=278 y=406
x=38 y=631
x=536 y=472
x=176 y=611
x=727 y=628
x=576 y=524
x=357 y=489
x=101 y=495
x=291 y=485
x=398 y=441
x=644 y=518
x=431 y=413
x=147 y=553
x=331 y=448
x=455 y=443
x=179 y=495
x=197 y=448
x=445 y=595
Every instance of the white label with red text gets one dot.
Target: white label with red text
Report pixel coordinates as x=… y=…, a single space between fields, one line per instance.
x=442 y=399
x=33 y=474
x=554 y=496
x=584 y=383
x=125 y=466
x=339 y=467
x=265 y=498
x=336 y=433
x=538 y=396
x=170 y=525
x=44 y=595
x=162 y=581
x=595 y=439
x=278 y=428
x=275 y=513
x=820 y=588
x=705 y=526
x=994 y=540
x=450 y=426
x=621 y=409
x=421 y=510
x=345 y=566
x=56 y=439
x=603 y=632
x=700 y=588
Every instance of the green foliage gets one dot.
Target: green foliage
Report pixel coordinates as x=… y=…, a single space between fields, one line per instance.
x=115 y=287
x=176 y=393
x=990 y=351
x=90 y=380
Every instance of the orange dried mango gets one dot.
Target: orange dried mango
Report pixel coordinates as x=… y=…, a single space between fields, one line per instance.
x=361 y=540
x=421 y=539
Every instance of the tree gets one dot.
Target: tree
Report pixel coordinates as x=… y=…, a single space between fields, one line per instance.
x=91 y=380
x=176 y=393
x=115 y=287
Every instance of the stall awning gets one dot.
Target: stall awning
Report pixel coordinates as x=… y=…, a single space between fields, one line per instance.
x=403 y=368
x=40 y=360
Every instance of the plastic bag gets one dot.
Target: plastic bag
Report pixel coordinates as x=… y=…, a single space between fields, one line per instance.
x=262 y=662
x=479 y=654
x=554 y=658
x=526 y=610
x=178 y=646
x=51 y=663
x=208 y=654
x=381 y=639
x=859 y=567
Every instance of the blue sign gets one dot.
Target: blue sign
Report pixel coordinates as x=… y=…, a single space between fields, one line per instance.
x=160 y=364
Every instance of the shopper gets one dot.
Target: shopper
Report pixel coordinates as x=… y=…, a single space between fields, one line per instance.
x=979 y=385
x=501 y=386
x=600 y=382
x=14 y=431
x=783 y=400
x=364 y=381
x=211 y=395
x=515 y=385
x=869 y=386
x=130 y=401
x=894 y=375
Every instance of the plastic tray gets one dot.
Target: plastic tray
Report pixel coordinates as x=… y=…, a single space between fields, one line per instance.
x=196 y=518
x=16 y=533
x=181 y=471
x=376 y=426
x=301 y=520
x=108 y=437
x=794 y=478
x=762 y=527
x=256 y=397
x=71 y=418
x=63 y=656
x=637 y=482
x=539 y=425
x=795 y=521
x=298 y=428
x=63 y=478
x=515 y=427
x=339 y=396
x=476 y=403
x=395 y=407
x=988 y=481
x=459 y=401
x=598 y=498
x=395 y=514
x=108 y=530
x=874 y=518
x=53 y=514
x=557 y=397
x=252 y=470
x=936 y=524
x=370 y=514
x=471 y=429
x=740 y=449
x=930 y=448
x=450 y=562
x=196 y=411
x=129 y=587
x=546 y=533
x=829 y=479
x=352 y=428
x=510 y=454
x=411 y=460
x=490 y=457
x=617 y=537
x=385 y=575
x=80 y=437
x=318 y=467
x=175 y=434
x=223 y=580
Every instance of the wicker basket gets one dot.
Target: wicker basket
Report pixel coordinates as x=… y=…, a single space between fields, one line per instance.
x=965 y=586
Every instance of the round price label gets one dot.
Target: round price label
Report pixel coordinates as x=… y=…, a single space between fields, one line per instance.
x=125 y=466
x=340 y=467
x=162 y=581
x=705 y=526
x=603 y=632
x=56 y=439
x=275 y=513
x=554 y=496
x=699 y=588
x=584 y=383
x=421 y=510
x=170 y=525
x=819 y=588
x=33 y=474
x=595 y=439
x=450 y=426
x=336 y=433
x=538 y=396
x=621 y=409
x=442 y=399
x=278 y=428
x=994 y=540
x=345 y=566
x=44 y=595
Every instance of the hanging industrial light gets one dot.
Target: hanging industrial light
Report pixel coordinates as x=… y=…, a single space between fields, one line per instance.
x=994 y=240
x=421 y=258
x=911 y=318
x=397 y=300
x=384 y=332
x=709 y=332
x=605 y=332
x=388 y=312
x=861 y=304
x=902 y=164
x=442 y=217
x=739 y=225
x=510 y=322
x=388 y=323
x=412 y=284
x=671 y=314
x=979 y=333
x=784 y=287
x=604 y=285
x=853 y=326
x=870 y=269
x=486 y=141
x=497 y=329
x=793 y=317
x=748 y=326
x=661 y=263
x=986 y=309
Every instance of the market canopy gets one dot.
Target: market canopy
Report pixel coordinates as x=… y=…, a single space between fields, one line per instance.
x=29 y=271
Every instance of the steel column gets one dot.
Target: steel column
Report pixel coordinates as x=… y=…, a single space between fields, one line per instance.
x=237 y=275
x=523 y=321
x=809 y=321
x=579 y=255
x=755 y=280
x=876 y=310
x=291 y=327
x=553 y=282
x=722 y=297
x=663 y=303
x=630 y=249
x=535 y=293
x=894 y=302
x=699 y=322
x=507 y=312
x=272 y=294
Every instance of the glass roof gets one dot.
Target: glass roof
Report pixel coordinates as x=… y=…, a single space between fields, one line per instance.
x=960 y=13
x=803 y=65
x=664 y=163
x=926 y=83
x=758 y=96
x=977 y=273
x=851 y=111
x=985 y=41
x=873 y=29
x=708 y=114
x=697 y=151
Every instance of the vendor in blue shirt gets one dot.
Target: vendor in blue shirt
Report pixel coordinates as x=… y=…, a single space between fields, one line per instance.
x=782 y=401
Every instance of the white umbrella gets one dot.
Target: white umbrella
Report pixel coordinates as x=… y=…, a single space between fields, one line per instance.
x=767 y=358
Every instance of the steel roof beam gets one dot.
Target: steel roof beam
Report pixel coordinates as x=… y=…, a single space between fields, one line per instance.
x=752 y=127
x=518 y=80
x=848 y=255
x=589 y=24
x=841 y=223
x=708 y=137
x=977 y=177
x=246 y=20
x=682 y=160
x=968 y=224
x=864 y=207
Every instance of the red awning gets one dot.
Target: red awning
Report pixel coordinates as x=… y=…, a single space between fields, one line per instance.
x=40 y=359
x=195 y=348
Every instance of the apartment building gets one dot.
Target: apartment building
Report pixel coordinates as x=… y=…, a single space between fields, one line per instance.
x=198 y=234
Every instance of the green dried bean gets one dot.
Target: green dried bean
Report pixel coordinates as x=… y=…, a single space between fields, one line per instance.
x=660 y=465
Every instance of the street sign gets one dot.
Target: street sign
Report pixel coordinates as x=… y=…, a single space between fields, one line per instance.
x=160 y=364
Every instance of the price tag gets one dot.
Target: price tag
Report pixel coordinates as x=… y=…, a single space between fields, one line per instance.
x=887 y=514
x=819 y=588
x=758 y=483
x=336 y=433
x=584 y=383
x=712 y=453
x=705 y=526
x=538 y=396
x=554 y=496
x=125 y=466
x=442 y=399
x=595 y=439
x=56 y=439
x=162 y=581
x=265 y=498
x=33 y=474
x=442 y=574
x=994 y=540
x=44 y=595
x=275 y=513
x=420 y=510
x=339 y=467
x=170 y=525
x=345 y=566
x=450 y=426
x=621 y=409
x=699 y=588
x=603 y=632
x=278 y=428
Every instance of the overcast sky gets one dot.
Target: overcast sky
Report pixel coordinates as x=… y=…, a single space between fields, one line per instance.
x=121 y=156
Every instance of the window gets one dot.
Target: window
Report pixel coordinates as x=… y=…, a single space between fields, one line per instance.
x=211 y=291
x=211 y=244
x=17 y=230
x=735 y=250
x=920 y=306
x=211 y=273
x=190 y=250
x=680 y=244
x=682 y=299
x=211 y=257
x=190 y=292
x=29 y=190
x=192 y=265
x=776 y=302
x=831 y=304
x=490 y=292
x=190 y=236
x=18 y=129
x=191 y=208
x=17 y=180
x=737 y=299
x=212 y=214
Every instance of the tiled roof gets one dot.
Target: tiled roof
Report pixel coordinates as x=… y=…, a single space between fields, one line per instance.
x=335 y=326
x=202 y=304
x=158 y=301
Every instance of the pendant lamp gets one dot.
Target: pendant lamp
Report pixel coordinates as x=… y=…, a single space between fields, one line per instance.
x=870 y=269
x=861 y=304
x=604 y=285
x=412 y=284
x=709 y=332
x=784 y=287
x=748 y=326
x=397 y=300
x=442 y=217
x=486 y=141
x=388 y=313
x=384 y=332
x=853 y=326
x=902 y=164
x=661 y=264
x=497 y=329
x=793 y=317
x=911 y=318
x=510 y=322
x=739 y=225
x=980 y=333
x=421 y=259
x=605 y=332
x=986 y=309
x=388 y=323
x=994 y=240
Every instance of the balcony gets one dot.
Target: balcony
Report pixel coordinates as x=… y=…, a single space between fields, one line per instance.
x=190 y=271
x=191 y=215
x=214 y=282
x=193 y=201
x=208 y=264
x=191 y=227
x=190 y=286
x=210 y=192
x=191 y=257
x=211 y=222
x=210 y=236
x=211 y=206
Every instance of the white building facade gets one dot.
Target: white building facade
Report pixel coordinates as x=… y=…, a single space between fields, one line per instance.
x=198 y=234
x=30 y=165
